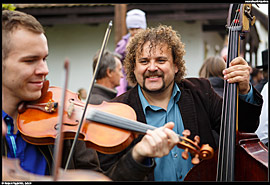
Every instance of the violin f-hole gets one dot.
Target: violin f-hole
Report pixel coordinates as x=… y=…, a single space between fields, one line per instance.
x=56 y=126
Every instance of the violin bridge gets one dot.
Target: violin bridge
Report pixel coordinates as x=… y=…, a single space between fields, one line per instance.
x=70 y=109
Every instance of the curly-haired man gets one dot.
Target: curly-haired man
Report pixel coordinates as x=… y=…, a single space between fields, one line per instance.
x=155 y=62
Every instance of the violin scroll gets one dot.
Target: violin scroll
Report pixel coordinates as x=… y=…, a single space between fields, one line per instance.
x=204 y=152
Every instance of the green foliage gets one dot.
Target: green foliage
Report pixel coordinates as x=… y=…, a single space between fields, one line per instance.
x=8 y=7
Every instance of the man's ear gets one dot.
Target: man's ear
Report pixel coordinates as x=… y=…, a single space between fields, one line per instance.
x=109 y=72
x=175 y=69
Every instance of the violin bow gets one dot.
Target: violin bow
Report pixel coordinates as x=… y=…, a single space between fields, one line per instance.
x=59 y=140
x=104 y=44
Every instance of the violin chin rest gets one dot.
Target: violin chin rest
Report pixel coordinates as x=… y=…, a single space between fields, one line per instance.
x=21 y=107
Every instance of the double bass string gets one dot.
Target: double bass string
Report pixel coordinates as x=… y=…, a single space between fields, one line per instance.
x=227 y=141
x=231 y=122
x=233 y=100
x=222 y=160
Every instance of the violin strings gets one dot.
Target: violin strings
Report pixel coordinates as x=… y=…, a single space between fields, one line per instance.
x=120 y=122
x=117 y=121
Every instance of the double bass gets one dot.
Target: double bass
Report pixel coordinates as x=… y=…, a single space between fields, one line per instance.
x=240 y=156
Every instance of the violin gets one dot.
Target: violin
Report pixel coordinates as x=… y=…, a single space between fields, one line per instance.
x=12 y=171
x=240 y=156
x=108 y=128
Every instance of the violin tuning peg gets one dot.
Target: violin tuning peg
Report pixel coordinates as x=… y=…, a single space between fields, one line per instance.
x=185 y=154
x=197 y=139
x=186 y=133
x=195 y=159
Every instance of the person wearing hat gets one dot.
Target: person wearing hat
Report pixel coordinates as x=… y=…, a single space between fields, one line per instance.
x=262 y=130
x=135 y=22
x=264 y=66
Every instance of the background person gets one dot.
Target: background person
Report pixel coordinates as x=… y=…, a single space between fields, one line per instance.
x=256 y=76
x=264 y=66
x=212 y=70
x=82 y=94
x=107 y=78
x=262 y=130
x=135 y=22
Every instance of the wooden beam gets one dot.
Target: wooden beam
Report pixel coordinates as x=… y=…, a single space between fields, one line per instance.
x=95 y=14
x=119 y=21
x=50 y=21
x=156 y=7
x=86 y=10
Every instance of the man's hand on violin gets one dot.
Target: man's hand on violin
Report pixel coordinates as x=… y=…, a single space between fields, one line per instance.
x=156 y=143
x=238 y=71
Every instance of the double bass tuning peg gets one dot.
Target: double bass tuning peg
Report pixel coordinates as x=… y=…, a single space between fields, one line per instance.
x=247 y=12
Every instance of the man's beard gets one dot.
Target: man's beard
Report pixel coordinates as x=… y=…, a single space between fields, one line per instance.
x=148 y=74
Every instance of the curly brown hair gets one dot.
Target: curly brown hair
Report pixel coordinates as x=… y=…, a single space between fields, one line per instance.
x=160 y=35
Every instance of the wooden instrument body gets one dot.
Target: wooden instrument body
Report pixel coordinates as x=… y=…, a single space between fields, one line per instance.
x=251 y=162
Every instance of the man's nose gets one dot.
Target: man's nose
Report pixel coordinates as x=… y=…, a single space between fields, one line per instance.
x=42 y=68
x=152 y=66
